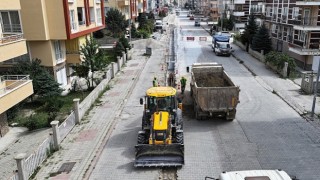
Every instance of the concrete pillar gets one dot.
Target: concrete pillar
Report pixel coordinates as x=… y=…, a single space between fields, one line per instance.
x=20 y=164
x=285 y=70
x=124 y=57
x=119 y=62
x=127 y=54
x=113 y=73
x=56 y=135
x=76 y=110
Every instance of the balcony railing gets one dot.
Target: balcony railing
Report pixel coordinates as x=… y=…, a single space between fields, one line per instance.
x=308 y=2
x=11 y=28
x=10 y=38
x=19 y=80
x=306 y=21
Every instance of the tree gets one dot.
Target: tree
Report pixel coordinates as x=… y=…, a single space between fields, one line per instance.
x=44 y=84
x=142 y=19
x=116 y=22
x=133 y=31
x=93 y=58
x=250 y=30
x=261 y=40
x=124 y=41
x=118 y=49
x=175 y=2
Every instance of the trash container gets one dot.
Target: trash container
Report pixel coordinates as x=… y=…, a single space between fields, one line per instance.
x=148 y=51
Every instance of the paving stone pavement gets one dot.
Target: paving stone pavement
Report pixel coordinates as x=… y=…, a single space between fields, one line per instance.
x=81 y=145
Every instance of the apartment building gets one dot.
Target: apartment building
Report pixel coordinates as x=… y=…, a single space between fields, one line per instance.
x=55 y=30
x=213 y=11
x=13 y=88
x=129 y=8
x=295 y=29
x=243 y=8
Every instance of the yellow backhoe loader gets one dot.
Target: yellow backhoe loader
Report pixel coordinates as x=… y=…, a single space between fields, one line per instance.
x=160 y=142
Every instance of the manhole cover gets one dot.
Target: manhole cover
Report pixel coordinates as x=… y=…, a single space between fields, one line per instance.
x=66 y=167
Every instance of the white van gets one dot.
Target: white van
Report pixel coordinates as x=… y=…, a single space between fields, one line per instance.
x=255 y=175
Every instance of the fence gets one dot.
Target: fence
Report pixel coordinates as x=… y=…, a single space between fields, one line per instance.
x=33 y=161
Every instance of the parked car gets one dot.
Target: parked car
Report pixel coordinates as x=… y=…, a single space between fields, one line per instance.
x=197 y=22
x=191 y=17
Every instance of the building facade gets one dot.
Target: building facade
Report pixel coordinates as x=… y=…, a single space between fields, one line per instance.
x=55 y=31
x=243 y=8
x=295 y=29
x=13 y=88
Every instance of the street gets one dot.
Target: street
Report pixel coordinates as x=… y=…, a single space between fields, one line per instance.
x=266 y=134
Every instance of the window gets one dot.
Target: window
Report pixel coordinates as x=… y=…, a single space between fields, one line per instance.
x=285 y=11
x=295 y=12
x=106 y=9
x=274 y=28
x=99 y=18
x=302 y=35
x=92 y=18
x=269 y=14
x=61 y=76
x=73 y=24
x=58 y=51
x=81 y=16
x=10 y=22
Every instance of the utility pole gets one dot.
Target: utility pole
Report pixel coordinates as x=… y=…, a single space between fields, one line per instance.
x=315 y=91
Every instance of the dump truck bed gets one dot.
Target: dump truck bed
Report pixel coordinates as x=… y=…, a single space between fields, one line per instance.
x=212 y=88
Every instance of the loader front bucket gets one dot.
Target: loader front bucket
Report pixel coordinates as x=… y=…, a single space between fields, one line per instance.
x=170 y=155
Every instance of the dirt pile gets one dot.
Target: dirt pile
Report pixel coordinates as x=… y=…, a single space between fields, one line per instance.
x=211 y=81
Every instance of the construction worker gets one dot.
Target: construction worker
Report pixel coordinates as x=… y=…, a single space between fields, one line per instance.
x=183 y=82
x=155 y=82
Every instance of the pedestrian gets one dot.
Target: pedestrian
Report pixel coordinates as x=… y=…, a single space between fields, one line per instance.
x=183 y=82
x=155 y=82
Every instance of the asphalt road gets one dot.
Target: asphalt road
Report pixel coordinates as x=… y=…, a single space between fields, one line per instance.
x=266 y=134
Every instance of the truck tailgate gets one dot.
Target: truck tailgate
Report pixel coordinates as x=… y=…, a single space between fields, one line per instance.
x=217 y=98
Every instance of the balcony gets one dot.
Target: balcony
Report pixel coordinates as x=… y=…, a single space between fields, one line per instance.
x=308 y=2
x=122 y=3
x=239 y=1
x=298 y=47
x=11 y=46
x=238 y=13
x=73 y=57
x=14 y=89
x=306 y=23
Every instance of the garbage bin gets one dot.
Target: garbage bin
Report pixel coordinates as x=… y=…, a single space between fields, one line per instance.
x=148 y=51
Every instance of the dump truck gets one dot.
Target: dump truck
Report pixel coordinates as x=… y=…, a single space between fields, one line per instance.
x=160 y=142
x=213 y=92
x=221 y=44
x=254 y=175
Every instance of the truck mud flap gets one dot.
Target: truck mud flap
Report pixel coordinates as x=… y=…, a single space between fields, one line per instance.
x=159 y=155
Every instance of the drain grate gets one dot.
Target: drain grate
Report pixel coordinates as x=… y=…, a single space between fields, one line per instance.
x=66 y=167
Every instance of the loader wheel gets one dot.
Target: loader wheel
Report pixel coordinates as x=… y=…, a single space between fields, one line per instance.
x=179 y=120
x=141 y=139
x=179 y=138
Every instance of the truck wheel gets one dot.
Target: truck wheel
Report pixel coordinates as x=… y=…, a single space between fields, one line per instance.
x=141 y=138
x=196 y=111
x=179 y=138
x=231 y=115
